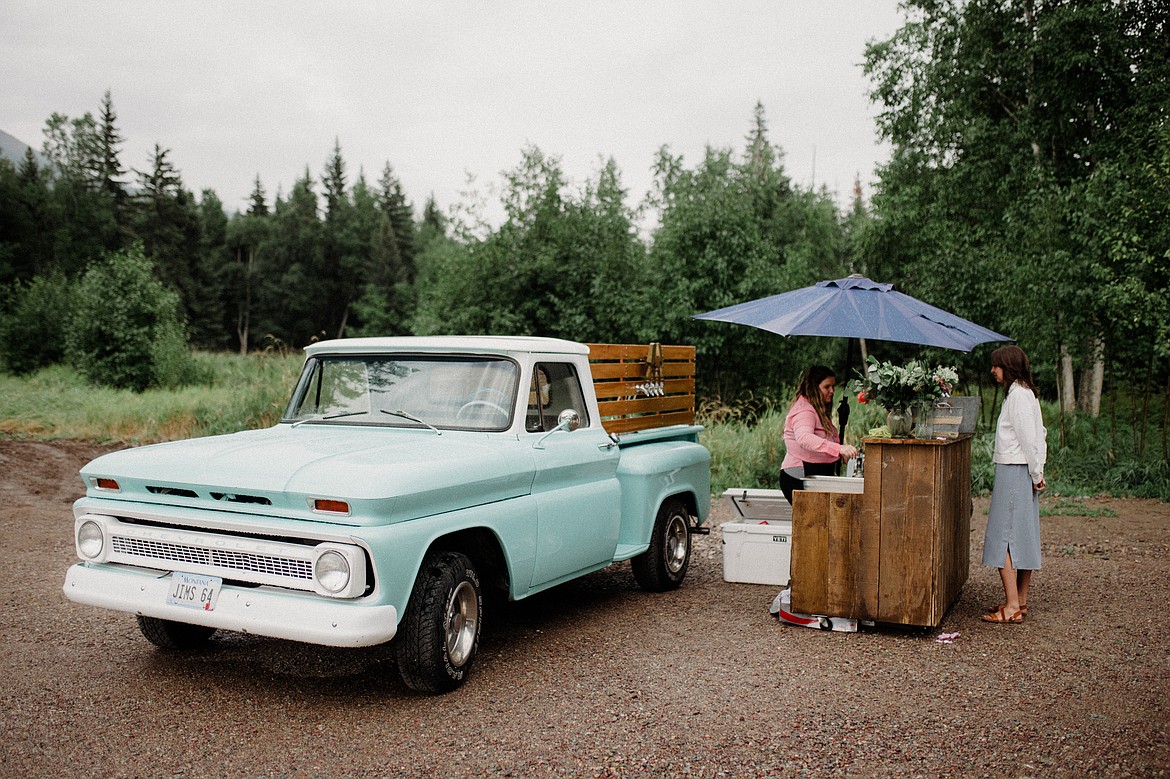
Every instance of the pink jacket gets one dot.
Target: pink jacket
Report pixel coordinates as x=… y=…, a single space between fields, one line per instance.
x=806 y=439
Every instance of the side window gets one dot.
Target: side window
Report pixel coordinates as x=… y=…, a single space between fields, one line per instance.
x=555 y=387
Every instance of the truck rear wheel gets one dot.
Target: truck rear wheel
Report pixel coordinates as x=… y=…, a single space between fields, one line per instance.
x=439 y=634
x=663 y=566
x=168 y=634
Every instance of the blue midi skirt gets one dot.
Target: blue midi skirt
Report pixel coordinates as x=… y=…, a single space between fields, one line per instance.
x=1013 y=521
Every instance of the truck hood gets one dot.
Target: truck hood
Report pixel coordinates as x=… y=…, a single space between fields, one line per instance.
x=385 y=474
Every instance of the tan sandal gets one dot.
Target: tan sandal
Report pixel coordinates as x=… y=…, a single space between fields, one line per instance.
x=1000 y=617
x=993 y=609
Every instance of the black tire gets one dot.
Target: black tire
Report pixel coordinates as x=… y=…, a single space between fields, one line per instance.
x=664 y=565
x=439 y=634
x=166 y=634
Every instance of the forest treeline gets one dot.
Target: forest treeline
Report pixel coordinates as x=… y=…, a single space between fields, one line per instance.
x=1028 y=190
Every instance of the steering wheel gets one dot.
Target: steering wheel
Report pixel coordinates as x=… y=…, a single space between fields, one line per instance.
x=492 y=391
x=476 y=403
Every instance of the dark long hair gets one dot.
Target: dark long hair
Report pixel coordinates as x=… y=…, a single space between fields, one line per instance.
x=809 y=389
x=1015 y=366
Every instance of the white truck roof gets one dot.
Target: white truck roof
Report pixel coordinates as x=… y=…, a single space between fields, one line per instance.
x=448 y=343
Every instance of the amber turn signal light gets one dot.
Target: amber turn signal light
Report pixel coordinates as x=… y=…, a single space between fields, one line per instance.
x=330 y=506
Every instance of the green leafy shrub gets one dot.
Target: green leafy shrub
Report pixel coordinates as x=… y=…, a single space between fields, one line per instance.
x=125 y=330
x=32 y=327
x=743 y=453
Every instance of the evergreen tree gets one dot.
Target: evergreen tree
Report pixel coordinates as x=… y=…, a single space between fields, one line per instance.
x=208 y=310
x=257 y=204
x=166 y=220
x=398 y=211
x=108 y=170
x=290 y=291
x=343 y=249
x=19 y=216
x=83 y=221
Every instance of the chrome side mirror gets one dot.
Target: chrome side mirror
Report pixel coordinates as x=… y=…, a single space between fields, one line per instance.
x=569 y=420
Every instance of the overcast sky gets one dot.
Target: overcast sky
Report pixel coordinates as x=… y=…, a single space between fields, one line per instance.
x=444 y=90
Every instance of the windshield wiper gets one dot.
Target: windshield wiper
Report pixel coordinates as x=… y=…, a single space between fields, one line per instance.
x=412 y=418
x=338 y=415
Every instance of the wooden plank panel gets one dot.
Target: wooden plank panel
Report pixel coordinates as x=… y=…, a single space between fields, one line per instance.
x=624 y=389
x=617 y=408
x=630 y=424
x=954 y=522
x=639 y=351
x=907 y=535
x=616 y=371
x=809 y=569
x=851 y=582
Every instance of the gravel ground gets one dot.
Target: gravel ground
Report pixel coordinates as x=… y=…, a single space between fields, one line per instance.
x=600 y=679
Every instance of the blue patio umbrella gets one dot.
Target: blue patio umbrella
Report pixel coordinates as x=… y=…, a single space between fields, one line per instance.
x=856 y=307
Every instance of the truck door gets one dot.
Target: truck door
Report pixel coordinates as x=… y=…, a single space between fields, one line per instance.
x=575 y=486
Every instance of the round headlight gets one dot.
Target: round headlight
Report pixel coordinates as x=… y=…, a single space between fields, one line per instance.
x=332 y=571
x=90 y=539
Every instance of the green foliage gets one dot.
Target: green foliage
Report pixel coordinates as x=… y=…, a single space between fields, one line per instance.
x=125 y=329
x=903 y=386
x=730 y=232
x=1091 y=462
x=562 y=264
x=1029 y=170
x=746 y=450
x=33 y=323
x=1036 y=202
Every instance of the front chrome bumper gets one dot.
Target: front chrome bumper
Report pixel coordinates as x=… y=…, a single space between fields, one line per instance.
x=297 y=616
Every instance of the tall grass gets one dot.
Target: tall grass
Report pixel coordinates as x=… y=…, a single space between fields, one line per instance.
x=233 y=393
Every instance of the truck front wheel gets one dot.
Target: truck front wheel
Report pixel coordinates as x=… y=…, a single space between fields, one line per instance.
x=663 y=566
x=168 y=634
x=439 y=634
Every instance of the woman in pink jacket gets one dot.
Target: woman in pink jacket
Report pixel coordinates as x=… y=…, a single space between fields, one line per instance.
x=813 y=446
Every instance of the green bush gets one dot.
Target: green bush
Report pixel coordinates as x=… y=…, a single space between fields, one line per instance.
x=743 y=453
x=125 y=330
x=32 y=327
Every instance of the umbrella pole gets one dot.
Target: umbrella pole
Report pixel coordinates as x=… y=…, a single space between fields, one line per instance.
x=843 y=407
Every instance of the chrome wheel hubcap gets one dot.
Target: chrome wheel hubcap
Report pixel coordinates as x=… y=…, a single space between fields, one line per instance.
x=676 y=543
x=462 y=623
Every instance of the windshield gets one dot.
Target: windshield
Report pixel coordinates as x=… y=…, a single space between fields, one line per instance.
x=464 y=392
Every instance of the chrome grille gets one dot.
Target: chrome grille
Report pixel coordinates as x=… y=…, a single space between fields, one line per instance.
x=224 y=559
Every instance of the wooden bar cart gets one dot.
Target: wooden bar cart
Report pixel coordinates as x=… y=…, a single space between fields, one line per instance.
x=898 y=552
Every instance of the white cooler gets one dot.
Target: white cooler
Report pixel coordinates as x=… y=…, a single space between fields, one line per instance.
x=757 y=553
x=757 y=547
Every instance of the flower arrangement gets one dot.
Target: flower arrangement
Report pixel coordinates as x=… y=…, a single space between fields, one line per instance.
x=903 y=387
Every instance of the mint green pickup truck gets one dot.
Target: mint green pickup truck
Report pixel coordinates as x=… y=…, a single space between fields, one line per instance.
x=406 y=477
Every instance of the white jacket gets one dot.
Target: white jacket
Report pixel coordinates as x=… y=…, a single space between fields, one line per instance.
x=1020 y=437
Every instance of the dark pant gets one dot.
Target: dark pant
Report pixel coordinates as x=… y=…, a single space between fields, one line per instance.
x=789 y=483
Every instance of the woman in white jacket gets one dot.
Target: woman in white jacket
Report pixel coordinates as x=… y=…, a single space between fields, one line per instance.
x=1012 y=542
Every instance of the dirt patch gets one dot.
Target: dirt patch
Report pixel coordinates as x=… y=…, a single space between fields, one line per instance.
x=599 y=679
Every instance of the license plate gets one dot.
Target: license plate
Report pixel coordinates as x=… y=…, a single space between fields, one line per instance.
x=194 y=592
